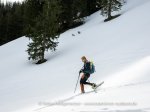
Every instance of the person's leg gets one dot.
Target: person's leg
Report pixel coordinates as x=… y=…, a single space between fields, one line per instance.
x=82 y=88
x=86 y=76
x=88 y=83
x=82 y=81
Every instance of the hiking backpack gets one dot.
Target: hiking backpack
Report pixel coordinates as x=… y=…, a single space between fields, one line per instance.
x=92 y=67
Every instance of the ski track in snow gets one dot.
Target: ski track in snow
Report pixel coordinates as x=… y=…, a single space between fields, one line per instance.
x=101 y=89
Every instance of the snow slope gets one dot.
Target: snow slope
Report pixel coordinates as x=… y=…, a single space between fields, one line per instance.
x=119 y=49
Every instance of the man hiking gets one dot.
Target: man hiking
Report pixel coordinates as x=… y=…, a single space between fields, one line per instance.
x=86 y=71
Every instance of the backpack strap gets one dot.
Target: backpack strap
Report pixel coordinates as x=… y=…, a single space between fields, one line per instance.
x=91 y=64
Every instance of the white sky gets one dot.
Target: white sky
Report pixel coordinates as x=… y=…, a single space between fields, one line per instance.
x=4 y=1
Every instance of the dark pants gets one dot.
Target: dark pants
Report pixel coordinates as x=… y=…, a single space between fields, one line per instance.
x=83 y=80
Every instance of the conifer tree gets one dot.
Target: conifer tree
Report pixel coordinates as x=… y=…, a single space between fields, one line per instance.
x=91 y=6
x=66 y=15
x=45 y=32
x=108 y=6
x=32 y=9
x=79 y=9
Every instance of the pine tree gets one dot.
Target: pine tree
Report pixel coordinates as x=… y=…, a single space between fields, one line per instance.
x=91 y=6
x=66 y=15
x=45 y=32
x=11 y=21
x=79 y=9
x=32 y=9
x=108 y=6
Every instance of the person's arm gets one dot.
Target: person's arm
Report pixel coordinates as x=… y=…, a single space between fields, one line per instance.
x=82 y=69
x=87 y=68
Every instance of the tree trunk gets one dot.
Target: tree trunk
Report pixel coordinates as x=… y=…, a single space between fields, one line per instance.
x=42 y=60
x=109 y=9
x=42 y=56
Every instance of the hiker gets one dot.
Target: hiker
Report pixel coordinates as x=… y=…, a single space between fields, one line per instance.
x=86 y=71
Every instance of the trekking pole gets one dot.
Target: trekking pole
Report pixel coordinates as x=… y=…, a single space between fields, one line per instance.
x=77 y=83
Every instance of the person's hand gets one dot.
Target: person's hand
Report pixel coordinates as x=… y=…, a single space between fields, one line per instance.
x=80 y=71
x=82 y=77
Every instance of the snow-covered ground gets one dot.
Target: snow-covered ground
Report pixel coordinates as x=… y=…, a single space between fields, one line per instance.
x=120 y=50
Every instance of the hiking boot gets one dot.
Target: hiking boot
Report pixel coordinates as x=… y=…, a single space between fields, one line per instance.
x=82 y=92
x=93 y=86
